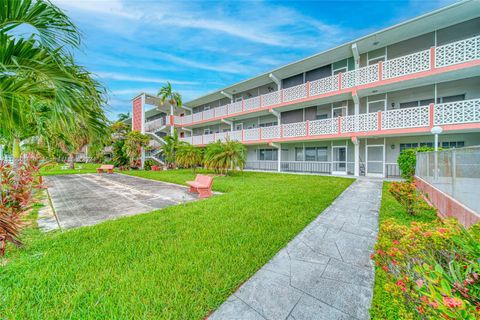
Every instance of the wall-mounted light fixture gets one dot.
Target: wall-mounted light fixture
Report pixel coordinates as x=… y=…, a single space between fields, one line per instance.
x=392 y=146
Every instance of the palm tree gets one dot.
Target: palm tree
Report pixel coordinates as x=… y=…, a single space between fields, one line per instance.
x=134 y=143
x=166 y=93
x=225 y=156
x=189 y=156
x=123 y=116
x=37 y=72
x=170 y=148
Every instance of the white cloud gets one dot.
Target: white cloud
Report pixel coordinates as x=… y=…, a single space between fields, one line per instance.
x=130 y=78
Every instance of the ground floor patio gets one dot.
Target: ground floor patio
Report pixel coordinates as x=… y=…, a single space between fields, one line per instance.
x=373 y=157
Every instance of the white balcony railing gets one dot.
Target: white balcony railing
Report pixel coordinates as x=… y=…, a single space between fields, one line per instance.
x=467 y=111
x=409 y=64
x=406 y=118
x=154 y=125
x=457 y=52
x=445 y=55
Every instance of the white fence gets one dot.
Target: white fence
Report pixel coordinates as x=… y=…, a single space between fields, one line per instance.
x=456 y=172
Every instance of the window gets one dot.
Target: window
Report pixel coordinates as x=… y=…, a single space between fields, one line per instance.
x=268 y=124
x=298 y=154
x=453 y=144
x=311 y=154
x=410 y=104
x=267 y=154
x=321 y=116
x=340 y=70
x=459 y=97
x=207 y=131
x=322 y=154
x=405 y=146
x=426 y=144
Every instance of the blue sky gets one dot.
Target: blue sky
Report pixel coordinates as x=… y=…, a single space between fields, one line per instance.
x=199 y=46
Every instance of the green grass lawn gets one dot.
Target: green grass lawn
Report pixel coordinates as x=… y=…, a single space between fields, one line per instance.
x=177 y=263
x=384 y=306
x=56 y=169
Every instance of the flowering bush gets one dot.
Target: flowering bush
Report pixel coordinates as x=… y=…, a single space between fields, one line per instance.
x=433 y=268
x=408 y=196
x=15 y=199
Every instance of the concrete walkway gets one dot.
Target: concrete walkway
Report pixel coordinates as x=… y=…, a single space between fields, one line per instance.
x=324 y=273
x=88 y=199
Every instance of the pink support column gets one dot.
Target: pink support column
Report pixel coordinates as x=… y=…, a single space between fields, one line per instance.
x=308 y=89
x=380 y=71
x=339 y=125
x=137 y=116
x=308 y=128
x=432 y=58
x=260 y=137
x=340 y=81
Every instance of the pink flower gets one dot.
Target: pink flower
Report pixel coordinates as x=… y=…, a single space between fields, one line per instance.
x=396 y=242
x=433 y=304
x=419 y=283
x=452 y=302
x=441 y=230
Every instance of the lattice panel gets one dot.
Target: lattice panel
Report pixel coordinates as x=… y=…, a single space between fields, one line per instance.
x=412 y=63
x=324 y=126
x=298 y=129
x=295 y=93
x=271 y=99
x=348 y=79
x=154 y=125
x=208 y=138
x=187 y=119
x=271 y=132
x=359 y=123
x=236 y=135
x=457 y=52
x=197 y=116
x=406 y=118
x=466 y=111
x=324 y=85
x=208 y=114
x=221 y=111
x=235 y=107
x=197 y=140
x=251 y=134
x=252 y=103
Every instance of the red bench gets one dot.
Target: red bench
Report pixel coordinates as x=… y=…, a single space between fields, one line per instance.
x=202 y=185
x=106 y=167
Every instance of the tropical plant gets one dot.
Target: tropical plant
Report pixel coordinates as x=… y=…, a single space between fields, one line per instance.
x=42 y=90
x=134 y=143
x=123 y=116
x=15 y=200
x=225 y=156
x=170 y=148
x=407 y=161
x=409 y=197
x=433 y=268
x=166 y=93
x=189 y=156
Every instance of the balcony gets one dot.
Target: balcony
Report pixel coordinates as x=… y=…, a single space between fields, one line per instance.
x=409 y=120
x=390 y=70
x=154 y=125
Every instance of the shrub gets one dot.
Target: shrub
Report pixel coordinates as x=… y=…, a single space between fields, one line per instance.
x=149 y=163
x=189 y=156
x=434 y=269
x=15 y=199
x=407 y=161
x=407 y=195
x=222 y=157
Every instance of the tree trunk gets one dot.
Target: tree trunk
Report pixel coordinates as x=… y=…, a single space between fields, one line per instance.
x=71 y=160
x=16 y=153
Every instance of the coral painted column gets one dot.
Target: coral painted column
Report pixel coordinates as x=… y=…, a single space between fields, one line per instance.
x=137 y=114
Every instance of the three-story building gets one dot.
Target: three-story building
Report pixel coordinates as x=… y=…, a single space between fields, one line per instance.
x=349 y=110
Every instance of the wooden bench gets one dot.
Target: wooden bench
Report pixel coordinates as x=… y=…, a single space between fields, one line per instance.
x=106 y=167
x=202 y=185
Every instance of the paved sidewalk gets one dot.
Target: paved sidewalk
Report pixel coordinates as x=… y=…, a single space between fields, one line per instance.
x=324 y=273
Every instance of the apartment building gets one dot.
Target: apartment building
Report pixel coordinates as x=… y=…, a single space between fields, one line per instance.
x=349 y=110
